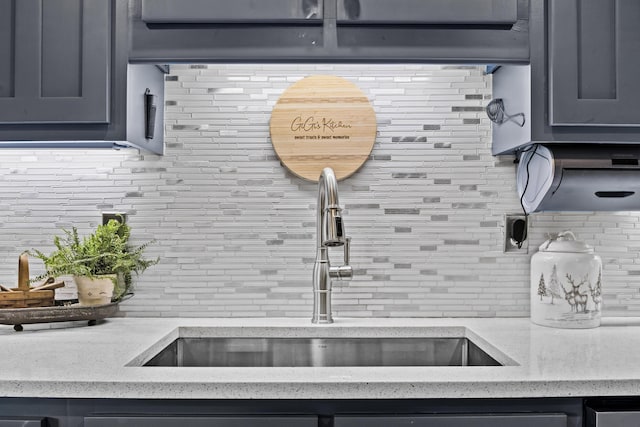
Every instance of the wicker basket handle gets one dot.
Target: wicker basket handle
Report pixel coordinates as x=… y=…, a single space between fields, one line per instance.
x=23 y=272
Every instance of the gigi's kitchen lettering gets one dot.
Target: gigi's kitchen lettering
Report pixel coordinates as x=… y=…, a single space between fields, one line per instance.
x=324 y=125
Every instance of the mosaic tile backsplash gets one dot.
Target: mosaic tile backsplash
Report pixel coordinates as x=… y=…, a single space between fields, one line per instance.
x=236 y=232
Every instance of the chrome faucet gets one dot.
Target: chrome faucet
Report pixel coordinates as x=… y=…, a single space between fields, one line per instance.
x=330 y=232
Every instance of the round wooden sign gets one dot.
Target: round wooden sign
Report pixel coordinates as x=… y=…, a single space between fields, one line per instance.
x=323 y=121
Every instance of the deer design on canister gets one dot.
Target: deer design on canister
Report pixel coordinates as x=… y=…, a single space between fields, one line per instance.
x=596 y=292
x=576 y=299
x=570 y=297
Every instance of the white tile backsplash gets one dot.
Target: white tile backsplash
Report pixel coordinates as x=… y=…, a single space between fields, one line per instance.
x=236 y=231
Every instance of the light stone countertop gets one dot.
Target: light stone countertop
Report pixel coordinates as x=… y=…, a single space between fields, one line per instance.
x=73 y=360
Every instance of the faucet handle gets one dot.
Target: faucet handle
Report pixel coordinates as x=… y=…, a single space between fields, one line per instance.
x=344 y=271
x=341 y=273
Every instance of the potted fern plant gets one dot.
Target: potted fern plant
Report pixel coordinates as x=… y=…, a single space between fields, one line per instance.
x=101 y=263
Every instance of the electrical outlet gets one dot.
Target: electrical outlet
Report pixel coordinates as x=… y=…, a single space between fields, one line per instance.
x=118 y=216
x=511 y=227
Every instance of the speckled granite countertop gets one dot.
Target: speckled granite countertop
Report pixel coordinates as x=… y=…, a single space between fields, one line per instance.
x=73 y=360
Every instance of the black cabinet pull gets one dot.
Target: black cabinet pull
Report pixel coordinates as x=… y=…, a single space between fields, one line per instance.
x=149 y=114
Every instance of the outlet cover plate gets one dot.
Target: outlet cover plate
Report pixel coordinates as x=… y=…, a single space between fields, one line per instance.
x=118 y=216
x=510 y=246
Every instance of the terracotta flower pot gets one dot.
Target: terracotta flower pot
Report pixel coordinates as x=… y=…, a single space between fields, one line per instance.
x=95 y=291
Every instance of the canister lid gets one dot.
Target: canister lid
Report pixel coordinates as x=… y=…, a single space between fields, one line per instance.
x=565 y=242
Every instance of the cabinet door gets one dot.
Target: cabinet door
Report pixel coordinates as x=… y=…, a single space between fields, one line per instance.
x=476 y=12
x=22 y=422
x=501 y=420
x=54 y=61
x=598 y=418
x=594 y=62
x=185 y=421
x=225 y=11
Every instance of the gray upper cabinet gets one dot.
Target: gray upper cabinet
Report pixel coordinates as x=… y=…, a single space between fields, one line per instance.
x=55 y=57
x=582 y=83
x=65 y=78
x=329 y=31
x=428 y=12
x=225 y=11
x=594 y=63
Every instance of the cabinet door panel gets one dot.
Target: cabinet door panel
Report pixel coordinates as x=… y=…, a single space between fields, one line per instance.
x=7 y=56
x=594 y=63
x=61 y=58
x=502 y=420
x=225 y=11
x=185 y=421
x=20 y=422
x=595 y=418
x=428 y=11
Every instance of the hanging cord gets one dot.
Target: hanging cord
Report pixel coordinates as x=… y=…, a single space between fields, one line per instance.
x=497 y=114
x=526 y=185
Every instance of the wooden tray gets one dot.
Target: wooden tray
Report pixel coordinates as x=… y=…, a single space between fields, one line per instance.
x=62 y=313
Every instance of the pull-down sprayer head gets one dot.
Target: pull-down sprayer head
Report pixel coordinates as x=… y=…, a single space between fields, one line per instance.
x=334 y=229
x=331 y=229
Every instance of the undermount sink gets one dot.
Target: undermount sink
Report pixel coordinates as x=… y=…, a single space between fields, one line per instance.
x=200 y=351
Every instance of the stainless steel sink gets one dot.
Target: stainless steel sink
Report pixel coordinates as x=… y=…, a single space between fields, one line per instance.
x=320 y=352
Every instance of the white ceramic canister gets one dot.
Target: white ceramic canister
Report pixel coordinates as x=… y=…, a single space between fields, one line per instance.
x=566 y=284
